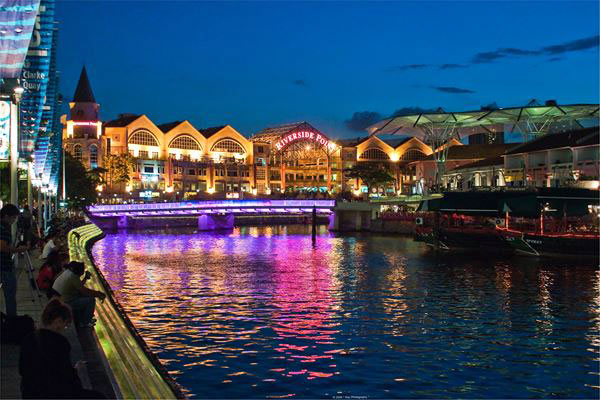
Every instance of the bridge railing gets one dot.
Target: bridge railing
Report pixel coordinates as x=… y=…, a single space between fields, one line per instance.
x=199 y=204
x=137 y=372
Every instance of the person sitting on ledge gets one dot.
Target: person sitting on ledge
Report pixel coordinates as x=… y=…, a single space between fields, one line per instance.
x=49 y=271
x=49 y=246
x=73 y=292
x=45 y=360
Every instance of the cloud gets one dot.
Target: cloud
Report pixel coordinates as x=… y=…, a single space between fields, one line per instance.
x=555 y=59
x=452 y=89
x=411 y=111
x=398 y=68
x=362 y=119
x=487 y=57
x=556 y=49
x=519 y=52
x=300 y=82
x=451 y=66
x=574 y=45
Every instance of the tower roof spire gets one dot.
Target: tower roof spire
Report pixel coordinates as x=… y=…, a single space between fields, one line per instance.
x=83 y=93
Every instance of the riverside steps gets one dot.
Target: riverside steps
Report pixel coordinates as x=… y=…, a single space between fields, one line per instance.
x=84 y=343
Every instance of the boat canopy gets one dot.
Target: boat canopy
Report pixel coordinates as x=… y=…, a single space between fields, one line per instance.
x=519 y=203
x=553 y=202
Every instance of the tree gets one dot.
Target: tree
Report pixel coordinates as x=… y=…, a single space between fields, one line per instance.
x=372 y=175
x=81 y=184
x=117 y=168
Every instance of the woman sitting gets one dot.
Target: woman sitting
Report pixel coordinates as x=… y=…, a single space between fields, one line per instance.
x=49 y=271
x=45 y=360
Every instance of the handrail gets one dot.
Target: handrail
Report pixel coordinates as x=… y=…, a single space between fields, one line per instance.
x=137 y=371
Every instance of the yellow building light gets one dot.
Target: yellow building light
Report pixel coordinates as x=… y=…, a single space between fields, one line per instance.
x=99 y=188
x=69 y=129
x=98 y=129
x=394 y=157
x=210 y=190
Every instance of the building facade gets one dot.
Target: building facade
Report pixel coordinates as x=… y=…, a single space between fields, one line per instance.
x=178 y=161
x=567 y=159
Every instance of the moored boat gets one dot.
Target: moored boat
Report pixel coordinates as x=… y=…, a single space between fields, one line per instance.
x=538 y=221
x=553 y=222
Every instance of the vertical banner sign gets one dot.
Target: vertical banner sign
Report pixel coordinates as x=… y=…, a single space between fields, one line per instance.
x=4 y=130
x=34 y=77
x=16 y=25
x=49 y=107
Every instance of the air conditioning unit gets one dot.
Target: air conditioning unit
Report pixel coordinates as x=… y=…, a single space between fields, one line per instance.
x=419 y=221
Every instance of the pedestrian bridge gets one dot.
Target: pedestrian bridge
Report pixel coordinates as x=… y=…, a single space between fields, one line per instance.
x=192 y=208
x=212 y=214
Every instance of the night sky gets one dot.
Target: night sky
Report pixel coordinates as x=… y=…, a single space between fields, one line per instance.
x=258 y=64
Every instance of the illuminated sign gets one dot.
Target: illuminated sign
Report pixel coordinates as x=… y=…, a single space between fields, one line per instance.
x=149 y=193
x=4 y=130
x=305 y=135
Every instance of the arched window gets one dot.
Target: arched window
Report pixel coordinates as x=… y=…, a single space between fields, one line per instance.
x=185 y=142
x=94 y=155
x=413 y=155
x=77 y=153
x=228 y=146
x=374 y=154
x=143 y=138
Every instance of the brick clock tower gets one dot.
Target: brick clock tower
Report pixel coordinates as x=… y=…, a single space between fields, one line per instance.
x=81 y=132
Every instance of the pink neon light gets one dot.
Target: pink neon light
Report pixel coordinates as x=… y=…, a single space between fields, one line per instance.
x=85 y=123
x=292 y=137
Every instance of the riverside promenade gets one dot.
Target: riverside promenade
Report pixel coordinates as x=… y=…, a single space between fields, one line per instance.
x=84 y=343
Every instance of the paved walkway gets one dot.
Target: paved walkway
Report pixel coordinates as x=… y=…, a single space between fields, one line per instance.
x=84 y=344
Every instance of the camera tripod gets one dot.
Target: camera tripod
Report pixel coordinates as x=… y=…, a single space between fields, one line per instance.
x=28 y=267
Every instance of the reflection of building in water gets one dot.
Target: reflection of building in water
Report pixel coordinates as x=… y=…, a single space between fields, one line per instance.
x=303 y=310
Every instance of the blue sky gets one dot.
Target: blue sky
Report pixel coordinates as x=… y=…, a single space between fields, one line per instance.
x=258 y=64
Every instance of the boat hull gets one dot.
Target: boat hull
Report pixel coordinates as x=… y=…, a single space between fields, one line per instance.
x=553 y=245
x=483 y=240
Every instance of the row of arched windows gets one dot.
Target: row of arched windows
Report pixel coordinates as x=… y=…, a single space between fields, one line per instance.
x=78 y=153
x=378 y=154
x=186 y=142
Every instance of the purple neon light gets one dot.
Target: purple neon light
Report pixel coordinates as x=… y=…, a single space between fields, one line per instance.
x=213 y=204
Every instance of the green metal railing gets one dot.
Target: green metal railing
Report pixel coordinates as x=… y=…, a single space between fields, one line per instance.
x=137 y=371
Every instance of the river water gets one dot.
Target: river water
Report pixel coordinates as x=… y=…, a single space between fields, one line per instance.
x=264 y=313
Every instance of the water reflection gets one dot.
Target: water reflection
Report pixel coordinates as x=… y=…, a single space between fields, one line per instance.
x=260 y=312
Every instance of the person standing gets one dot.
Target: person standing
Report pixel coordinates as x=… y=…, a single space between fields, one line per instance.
x=25 y=225
x=8 y=216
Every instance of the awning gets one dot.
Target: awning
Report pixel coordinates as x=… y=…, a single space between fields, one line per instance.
x=553 y=201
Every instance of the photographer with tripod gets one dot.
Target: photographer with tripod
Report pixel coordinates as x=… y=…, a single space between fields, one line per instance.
x=8 y=215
